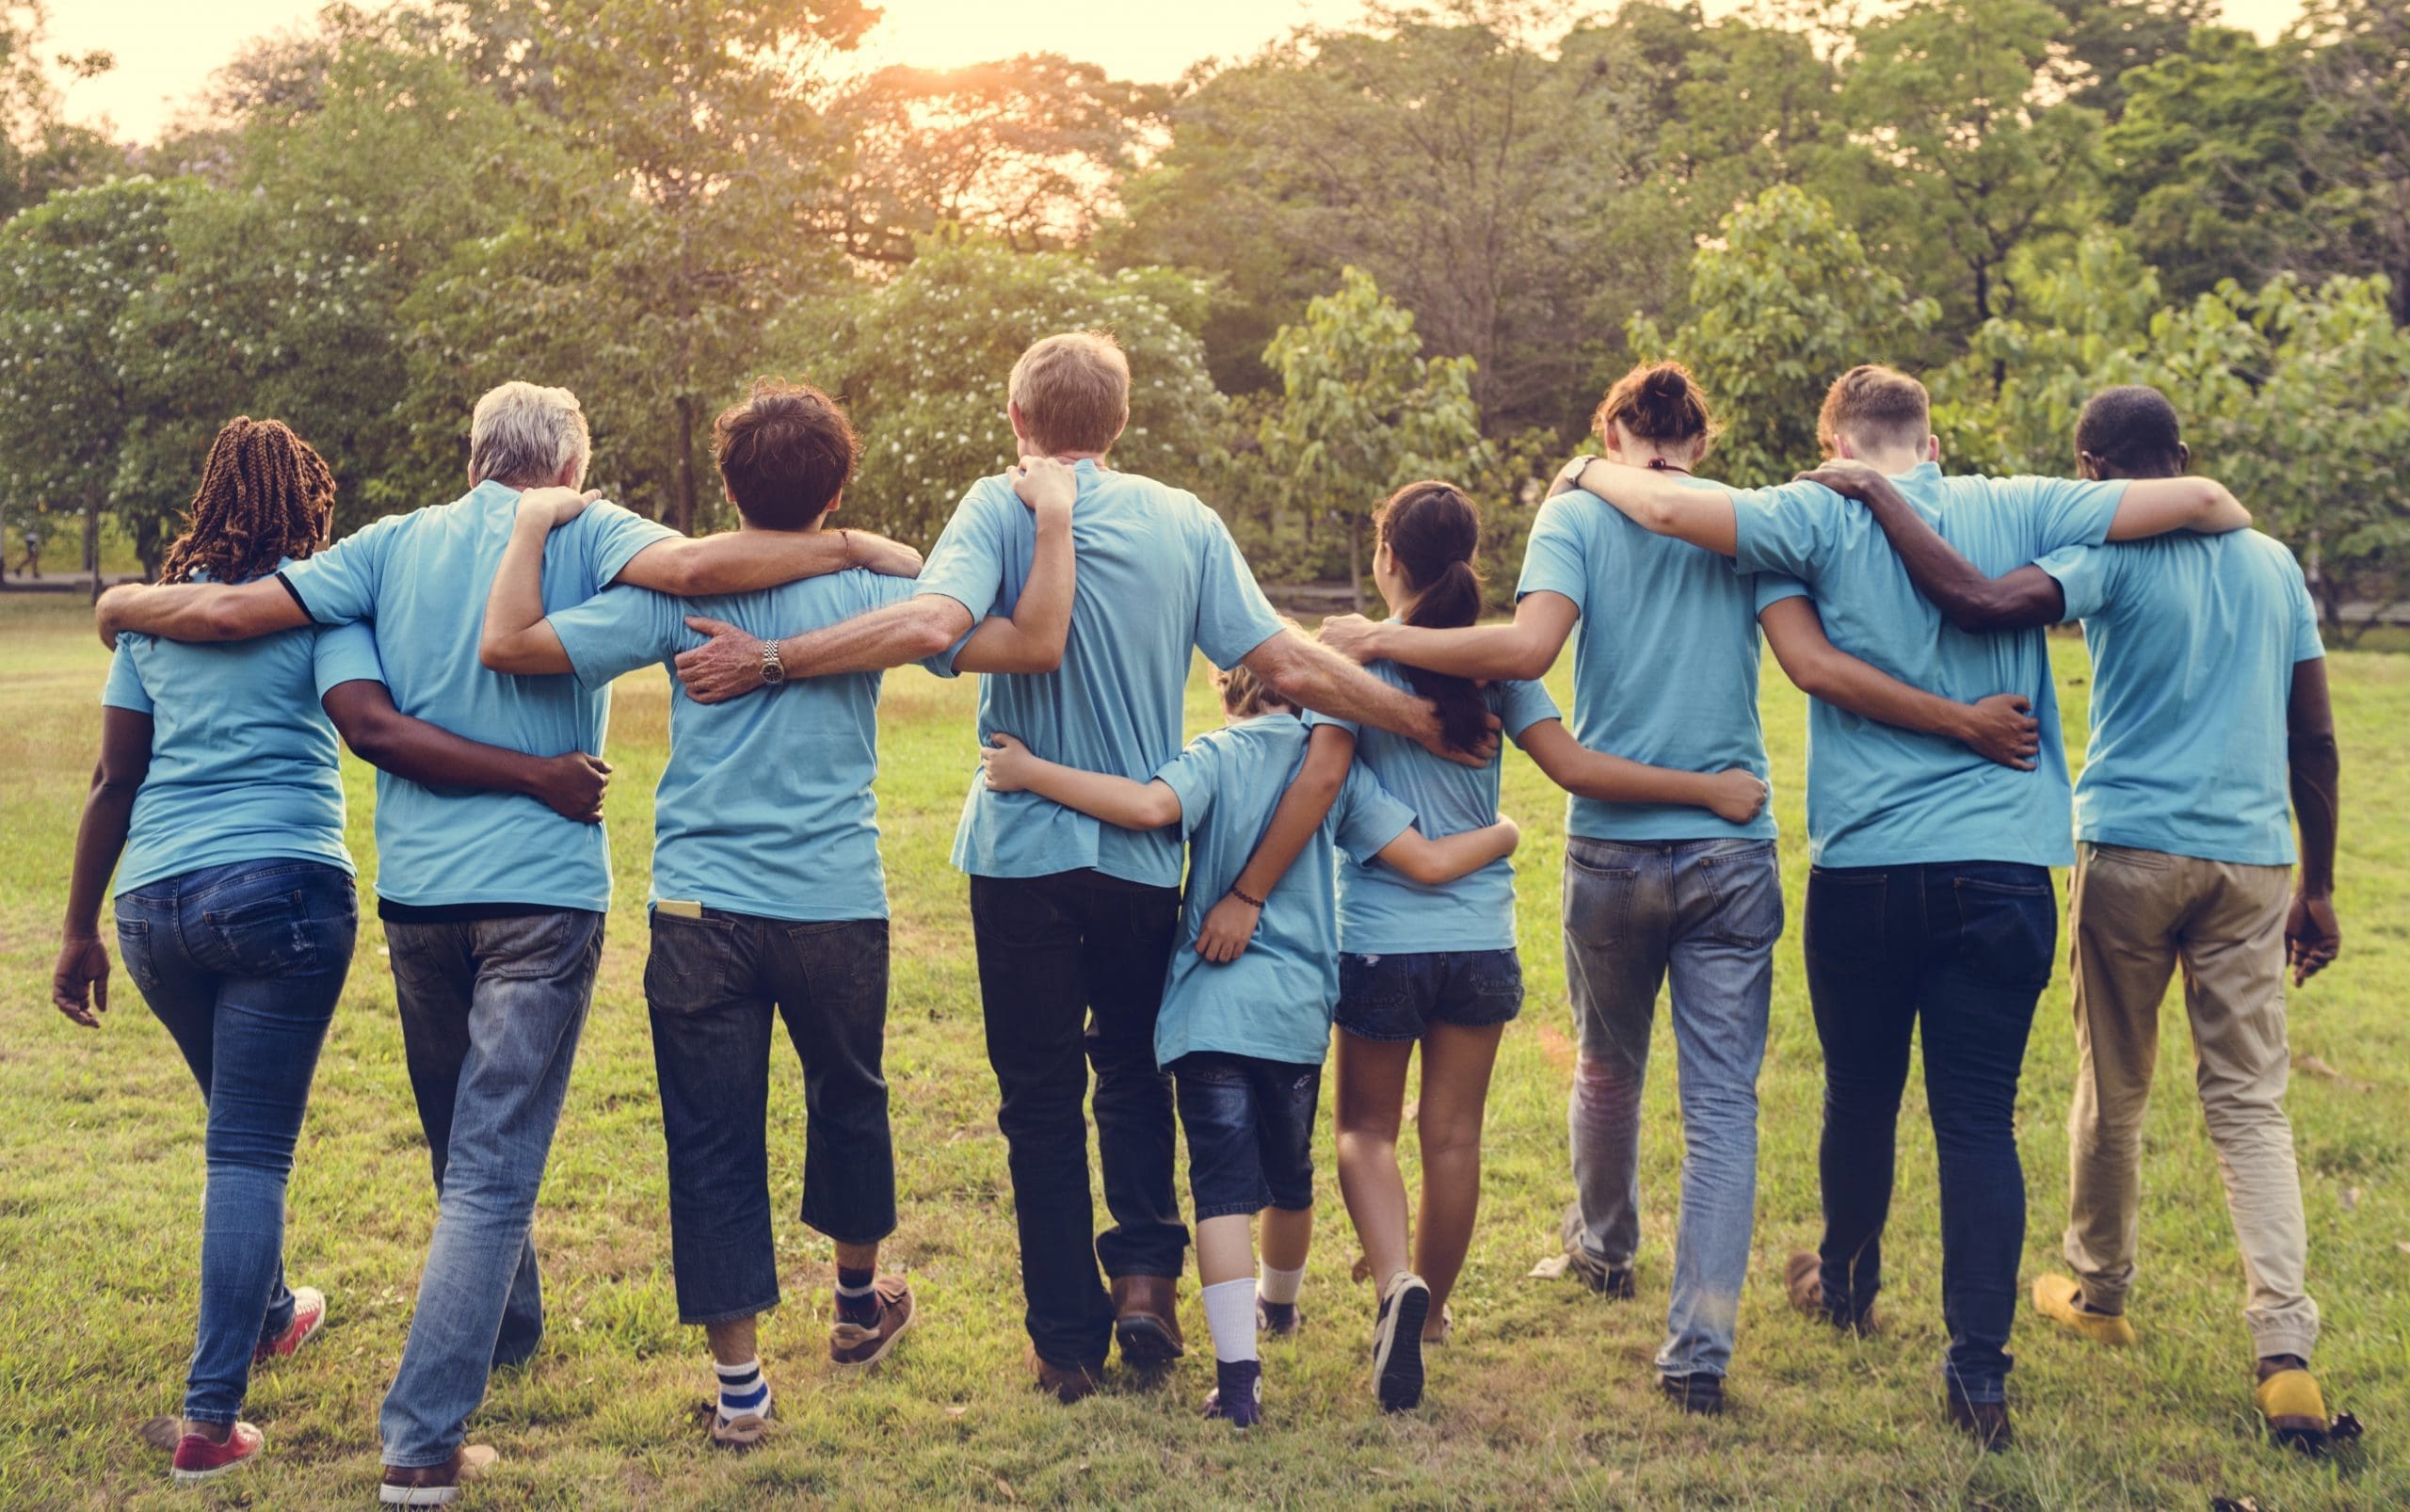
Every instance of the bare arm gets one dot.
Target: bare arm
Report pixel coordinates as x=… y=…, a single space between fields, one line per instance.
x=2312 y=937
x=1008 y=767
x=730 y=663
x=1230 y=922
x=2156 y=506
x=1524 y=649
x=1966 y=597
x=200 y=611
x=1031 y=641
x=1654 y=501
x=1433 y=862
x=1735 y=795
x=1314 y=677
x=745 y=560
x=570 y=785
x=517 y=638
x=1999 y=727
x=83 y=965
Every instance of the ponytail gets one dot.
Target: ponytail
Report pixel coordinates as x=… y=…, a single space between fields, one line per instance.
x=1433 y=531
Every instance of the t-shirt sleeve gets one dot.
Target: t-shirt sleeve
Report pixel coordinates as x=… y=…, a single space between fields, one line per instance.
x=2086 y=575
x=615 y=535
x=2064 y=511
x=2308 y=645
x=1523 y=704
x=1366 y=817
x=1233 y=615
x=1772 y=588
x=1786 y=529
x=1556 y=558
x=346 y=654
x=1193 y=776
x=874 y=591
x=1311 y=719
x=620 y=630
x=124 y=689
x=967 y=564
x=339 y=585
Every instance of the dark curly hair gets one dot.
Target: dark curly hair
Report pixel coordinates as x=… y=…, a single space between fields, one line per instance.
x=264 y=495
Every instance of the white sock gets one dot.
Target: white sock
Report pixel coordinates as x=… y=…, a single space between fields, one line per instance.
x=743 y=1392
x=1230 y=1312
x=1276 y=1285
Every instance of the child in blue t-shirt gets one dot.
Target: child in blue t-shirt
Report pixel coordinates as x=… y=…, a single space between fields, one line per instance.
x=1244 y=1041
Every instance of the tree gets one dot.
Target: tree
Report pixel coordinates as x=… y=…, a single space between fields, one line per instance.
x=39 y=152
x=2356 y=62
x=1361 y=411
x=920 y=362
x=1788 y=302
x=2104 y=39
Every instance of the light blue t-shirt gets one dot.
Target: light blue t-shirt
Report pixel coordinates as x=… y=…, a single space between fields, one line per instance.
x=1664 y=660
x=1382 y=911
x=2193 y=641
x=1880 y=795
x=765 y=805
x=1275 y=1000
x=1158 y=576
x=244 y=761
x=423 y=578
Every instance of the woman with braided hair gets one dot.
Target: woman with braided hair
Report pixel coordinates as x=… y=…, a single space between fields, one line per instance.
x=218 y=804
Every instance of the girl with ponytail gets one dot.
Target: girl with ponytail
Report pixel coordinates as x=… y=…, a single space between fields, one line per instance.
x=1427 y=966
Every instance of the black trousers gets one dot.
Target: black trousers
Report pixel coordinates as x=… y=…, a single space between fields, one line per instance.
x=1071 y=975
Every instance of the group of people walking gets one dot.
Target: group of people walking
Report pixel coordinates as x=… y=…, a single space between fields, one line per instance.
x=1345 y=864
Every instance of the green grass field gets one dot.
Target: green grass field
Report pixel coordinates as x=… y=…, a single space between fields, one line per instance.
x=1545 y=1395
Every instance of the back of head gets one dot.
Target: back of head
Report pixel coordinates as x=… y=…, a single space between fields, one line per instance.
x=1245 y=695
x=785 y=453
x=522 y=435
x=1072 y=391
x=264 y=495
x=1875 y=408
x=1433 y=532
x=2132 y=431
x=1659 y=403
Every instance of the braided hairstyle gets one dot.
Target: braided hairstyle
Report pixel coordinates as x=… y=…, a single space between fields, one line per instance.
x=1431 y=531
x=264 y=495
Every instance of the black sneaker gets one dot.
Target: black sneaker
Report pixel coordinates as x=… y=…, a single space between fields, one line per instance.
x=1397 y=1344
x=1279 y=1319
x=1237 y=1396
x=1700 y=1392
x=1616 y=1283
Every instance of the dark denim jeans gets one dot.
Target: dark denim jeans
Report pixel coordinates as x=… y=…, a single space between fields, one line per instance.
x=1962 y=952
x=244 y=964
x=715 y=986
x=1250 y=1125
x=491 y=1010
x=1071 y=975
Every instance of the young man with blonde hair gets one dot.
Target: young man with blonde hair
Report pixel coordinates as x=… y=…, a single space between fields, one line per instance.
x=1075 y=920
x=1930 y=903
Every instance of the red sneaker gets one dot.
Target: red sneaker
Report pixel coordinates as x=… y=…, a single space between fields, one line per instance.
x=200 y=1458
x=309 y=1316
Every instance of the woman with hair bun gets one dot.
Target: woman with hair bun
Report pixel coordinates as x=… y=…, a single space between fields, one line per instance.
x=1665 y=673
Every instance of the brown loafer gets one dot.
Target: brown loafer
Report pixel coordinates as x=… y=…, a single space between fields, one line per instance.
x=1067 y=1384
x=1146 y=1319
x=434 y=1485
x=857 y=1345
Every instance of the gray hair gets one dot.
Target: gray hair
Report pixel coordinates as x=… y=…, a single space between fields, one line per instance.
x=522 y=434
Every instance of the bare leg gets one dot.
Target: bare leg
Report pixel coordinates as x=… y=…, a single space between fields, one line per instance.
x=1371 y=1100
x=1288 y=1233
x=1457 y=1062
x=733 y=1343
x=1225 y=1249
x=858 y=1257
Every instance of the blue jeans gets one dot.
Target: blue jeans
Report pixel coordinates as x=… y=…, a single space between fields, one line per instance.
x=1962 y=951
x=244 y=964
x=715 y=986
x=1706 y=913
x=490 y=1013
x=1250 y=1124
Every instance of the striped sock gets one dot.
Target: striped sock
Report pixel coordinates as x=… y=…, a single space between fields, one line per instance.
x=857 y=1294
x=742 y=1392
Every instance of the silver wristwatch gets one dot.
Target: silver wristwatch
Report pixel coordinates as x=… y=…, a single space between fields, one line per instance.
x=773 y=670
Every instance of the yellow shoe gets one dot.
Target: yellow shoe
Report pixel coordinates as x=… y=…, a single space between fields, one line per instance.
x=2061 y=1300
x=2295 y=1409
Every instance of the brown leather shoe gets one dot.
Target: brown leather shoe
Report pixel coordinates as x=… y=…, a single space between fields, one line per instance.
x=1146 y=1319
x=434 y=1485
x=1803 y=1281
x=1067 y=1384
x=1986 y=1423
x=858 y=1346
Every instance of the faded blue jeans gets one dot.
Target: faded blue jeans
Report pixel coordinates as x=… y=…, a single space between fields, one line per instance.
x=490 y=1011
x=1706 y=913
x=242 y=964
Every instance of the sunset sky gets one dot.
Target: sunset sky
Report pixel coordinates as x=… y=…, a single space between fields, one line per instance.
x=166 y=49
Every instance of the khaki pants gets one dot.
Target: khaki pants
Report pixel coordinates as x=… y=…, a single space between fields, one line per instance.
x=2134 y=915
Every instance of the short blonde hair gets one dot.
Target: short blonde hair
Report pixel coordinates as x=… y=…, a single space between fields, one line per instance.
x=522 y=434
x=1245 y=695
x=1874 y=406
x=1072 y=391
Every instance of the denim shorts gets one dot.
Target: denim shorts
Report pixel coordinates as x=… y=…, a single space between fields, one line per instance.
x=1250 y=1127
x=1397 y=998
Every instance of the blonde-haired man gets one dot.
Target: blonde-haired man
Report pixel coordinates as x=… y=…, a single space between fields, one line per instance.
x=1075 y=920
